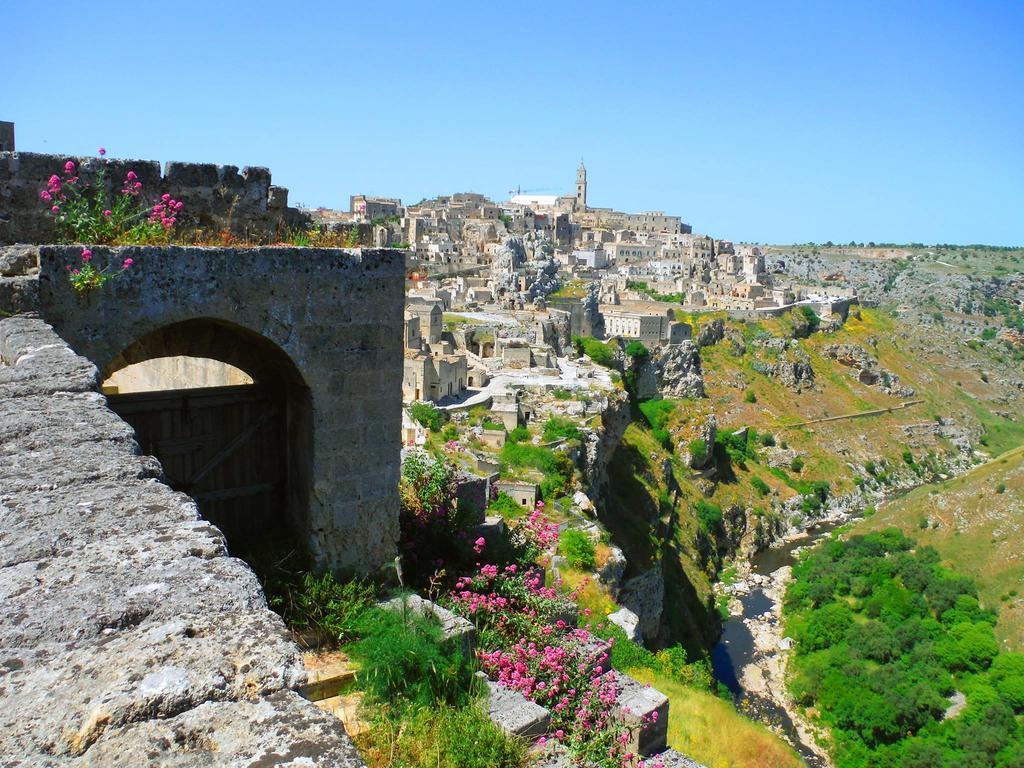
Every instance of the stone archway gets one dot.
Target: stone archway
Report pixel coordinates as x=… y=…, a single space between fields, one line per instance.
x=324 y=321
x=243 y=452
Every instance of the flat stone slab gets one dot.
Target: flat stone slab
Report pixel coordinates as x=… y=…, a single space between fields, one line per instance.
x=672 y=759
x=514 y=713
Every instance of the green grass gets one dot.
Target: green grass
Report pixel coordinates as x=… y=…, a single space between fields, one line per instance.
x=712 y=732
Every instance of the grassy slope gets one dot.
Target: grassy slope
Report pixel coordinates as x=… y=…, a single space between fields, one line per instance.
x=940 y=371
x=711 y=731
x=650 y=516
x=980 y=533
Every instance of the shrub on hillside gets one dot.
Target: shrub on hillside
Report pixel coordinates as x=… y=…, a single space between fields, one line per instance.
x=429 y=416
x=577 y=548
x=559 y=428
x=709 y=515
x=596 y=350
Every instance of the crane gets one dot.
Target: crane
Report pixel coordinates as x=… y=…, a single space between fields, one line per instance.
x=519 y=191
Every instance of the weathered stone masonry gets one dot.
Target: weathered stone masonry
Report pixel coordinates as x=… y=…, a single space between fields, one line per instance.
x=216 y=197
x=128 y=636
x=324 y=323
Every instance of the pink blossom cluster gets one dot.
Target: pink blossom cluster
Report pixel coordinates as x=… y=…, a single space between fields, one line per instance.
x=166 y=211
x=131 y=186
x=508 y=600
x=54 y=191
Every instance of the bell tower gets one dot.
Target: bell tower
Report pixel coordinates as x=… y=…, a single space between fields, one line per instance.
x=581 y=188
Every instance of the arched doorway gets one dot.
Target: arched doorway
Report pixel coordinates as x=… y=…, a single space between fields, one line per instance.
x=229 y=416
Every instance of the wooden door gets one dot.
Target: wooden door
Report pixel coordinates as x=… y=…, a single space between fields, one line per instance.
x=224 y=446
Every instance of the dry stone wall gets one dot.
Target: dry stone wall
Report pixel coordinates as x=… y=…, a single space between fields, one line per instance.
x=216 y=197
x=128 y=636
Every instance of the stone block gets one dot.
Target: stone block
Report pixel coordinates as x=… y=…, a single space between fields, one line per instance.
x=18 y=260
x=672 y=759
x=645 y=710
x=514 y=713
x=19 y=295
x=455 y=629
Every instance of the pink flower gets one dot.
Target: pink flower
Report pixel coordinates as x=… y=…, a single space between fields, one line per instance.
x=165 y=197
x=86 y=254
x=131 y=176
x=55 y=209
x=479 y=544
x=107 y=214
x=103 y=151
x=127 y=263
x=45 y=195
x=69 y=167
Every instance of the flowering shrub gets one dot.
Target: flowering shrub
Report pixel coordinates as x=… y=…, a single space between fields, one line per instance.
x=86 y=277
x=571 y=678
x=90 y=213
x=535 y=536
x=509 y=603
x=434 y=532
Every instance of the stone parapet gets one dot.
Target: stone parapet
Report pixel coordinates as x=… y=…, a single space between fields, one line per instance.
x=217 y=198
x=128 y=636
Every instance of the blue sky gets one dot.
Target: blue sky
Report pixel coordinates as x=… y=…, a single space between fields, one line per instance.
x=775 y=122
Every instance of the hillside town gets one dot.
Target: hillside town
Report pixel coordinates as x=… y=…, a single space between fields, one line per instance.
x=506 y=286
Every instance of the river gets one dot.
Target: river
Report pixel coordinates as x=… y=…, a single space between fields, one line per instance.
x=736 y=657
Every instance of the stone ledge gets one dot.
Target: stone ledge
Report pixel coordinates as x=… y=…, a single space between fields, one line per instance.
x=128 y=636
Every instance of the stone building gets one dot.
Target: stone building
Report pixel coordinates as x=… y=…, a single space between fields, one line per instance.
x=370 y=208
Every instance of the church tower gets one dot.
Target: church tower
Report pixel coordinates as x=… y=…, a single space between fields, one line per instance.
x=581 y=187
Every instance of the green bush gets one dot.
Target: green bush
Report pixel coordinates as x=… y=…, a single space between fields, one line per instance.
x=797 y=464
x=1001 y=488
x=637 y=350
x=440 y=737
x=578 y=549
x=449 y=433
x=505 y=506
x=709 y=515
x=429 y=416
x=596 y=350
x=556 y=467
x=405 y=661
x=813 y=321
x=768 y=439
x=494 y=425
x=518 y=435
x=698 y=449
x=323 y=604
x=559 y=428
x=760 y=486
x=750 y=397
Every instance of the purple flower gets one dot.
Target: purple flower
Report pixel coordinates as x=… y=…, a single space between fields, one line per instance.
x=127 y=263
x=86 y=254
x=102 y=151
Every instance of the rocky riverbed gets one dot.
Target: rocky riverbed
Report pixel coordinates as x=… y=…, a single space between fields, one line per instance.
x=753 y=652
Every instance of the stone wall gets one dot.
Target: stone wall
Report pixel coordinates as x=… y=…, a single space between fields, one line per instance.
x=127 y=636
x=216 y=197
x=323 y=324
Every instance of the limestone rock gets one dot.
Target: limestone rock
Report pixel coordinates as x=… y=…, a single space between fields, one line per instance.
x=711 y=333
x=629 y=622
x=679 y=371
